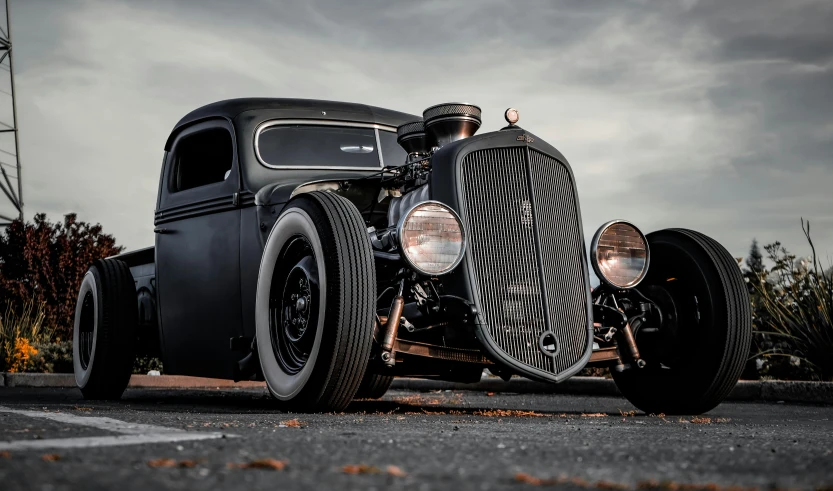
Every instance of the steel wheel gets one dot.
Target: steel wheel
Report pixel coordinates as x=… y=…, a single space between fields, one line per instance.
x=293 y=305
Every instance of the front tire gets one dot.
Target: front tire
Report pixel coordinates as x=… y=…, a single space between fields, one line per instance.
x=104 y=331
x=315 y=307
x=374 y=386
x=704 y=343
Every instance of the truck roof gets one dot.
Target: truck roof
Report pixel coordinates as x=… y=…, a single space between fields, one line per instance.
x=299 y=108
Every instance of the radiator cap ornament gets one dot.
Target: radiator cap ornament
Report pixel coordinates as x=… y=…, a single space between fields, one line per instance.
x=511 y=115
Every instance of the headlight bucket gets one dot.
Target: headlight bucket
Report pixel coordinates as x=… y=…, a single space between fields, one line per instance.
x=619 y=254
x=431 y=238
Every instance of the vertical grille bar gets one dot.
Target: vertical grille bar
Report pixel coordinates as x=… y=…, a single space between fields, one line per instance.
x=524 y=231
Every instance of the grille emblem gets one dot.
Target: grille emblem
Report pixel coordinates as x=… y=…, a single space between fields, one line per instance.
x=526 y=213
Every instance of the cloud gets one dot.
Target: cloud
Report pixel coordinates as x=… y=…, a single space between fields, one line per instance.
x=709 y=115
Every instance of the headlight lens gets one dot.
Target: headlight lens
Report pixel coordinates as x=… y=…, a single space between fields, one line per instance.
x=431 y=238
x=620 y=254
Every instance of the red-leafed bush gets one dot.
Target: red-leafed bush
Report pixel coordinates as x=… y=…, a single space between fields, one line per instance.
x=45 y=262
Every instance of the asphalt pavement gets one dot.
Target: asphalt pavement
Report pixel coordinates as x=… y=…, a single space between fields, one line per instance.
x=155 y=439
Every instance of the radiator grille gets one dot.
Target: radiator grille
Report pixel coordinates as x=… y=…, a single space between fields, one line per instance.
x=526 y=251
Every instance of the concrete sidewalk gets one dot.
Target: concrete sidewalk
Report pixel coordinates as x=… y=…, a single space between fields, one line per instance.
x=745 y=390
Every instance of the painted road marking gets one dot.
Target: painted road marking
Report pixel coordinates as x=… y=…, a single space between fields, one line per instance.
x=130 y=433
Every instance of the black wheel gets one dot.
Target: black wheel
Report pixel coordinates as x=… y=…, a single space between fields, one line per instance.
x=696 y=358
x=374 y=386
x=104 y=332
x=316 y=299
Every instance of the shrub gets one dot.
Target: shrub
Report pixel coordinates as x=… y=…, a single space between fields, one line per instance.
x=19 y=336
x=52 y=357
x=793 y=306
x=46 y=262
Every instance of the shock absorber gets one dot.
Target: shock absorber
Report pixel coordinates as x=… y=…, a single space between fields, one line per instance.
x=392 y=327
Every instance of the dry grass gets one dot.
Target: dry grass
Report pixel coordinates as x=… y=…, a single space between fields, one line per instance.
x=19 y=332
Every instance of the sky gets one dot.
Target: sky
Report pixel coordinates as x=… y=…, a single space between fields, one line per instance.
x=709 y=115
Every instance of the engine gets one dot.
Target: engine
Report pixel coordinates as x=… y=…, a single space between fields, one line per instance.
x=440 y=125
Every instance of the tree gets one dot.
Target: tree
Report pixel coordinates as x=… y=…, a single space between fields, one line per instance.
x=755 y=260
x=46 y=262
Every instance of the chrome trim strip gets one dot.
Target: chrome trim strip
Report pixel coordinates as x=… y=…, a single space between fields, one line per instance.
x=321 y=122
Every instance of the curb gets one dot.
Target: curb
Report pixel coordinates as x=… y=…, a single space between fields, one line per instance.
x=745 y=390
x=67 y=380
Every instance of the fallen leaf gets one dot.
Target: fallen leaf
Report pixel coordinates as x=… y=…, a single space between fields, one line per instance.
x=50 y=457
x=78 y=408
x=701 y=421
x=537 y=481
x=594 y=415
x=272 y=464
x=395 y=471
x=293 y=423
x=360 y=469
x=162 y=463
x=490 y=394
x=187 y=464
x=5 y=455
x=504 y=413
x=610 y=485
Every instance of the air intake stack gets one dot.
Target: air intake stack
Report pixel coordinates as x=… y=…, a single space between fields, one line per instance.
x=449 y=122
x=411 y=137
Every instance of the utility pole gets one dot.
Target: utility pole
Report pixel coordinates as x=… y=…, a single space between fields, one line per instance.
x=9 y=143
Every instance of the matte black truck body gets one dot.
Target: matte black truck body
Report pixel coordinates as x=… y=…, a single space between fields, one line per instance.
x=327 y=247
x=209 y=239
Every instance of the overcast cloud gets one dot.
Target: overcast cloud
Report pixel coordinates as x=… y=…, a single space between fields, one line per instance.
x=711 y=115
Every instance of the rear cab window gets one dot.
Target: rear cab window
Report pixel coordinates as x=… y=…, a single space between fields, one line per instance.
x=202 y=158
x=327 y=146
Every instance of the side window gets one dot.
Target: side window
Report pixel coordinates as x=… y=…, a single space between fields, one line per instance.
x=202 y=158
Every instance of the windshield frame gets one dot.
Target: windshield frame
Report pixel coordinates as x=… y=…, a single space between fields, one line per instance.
x=322 y=122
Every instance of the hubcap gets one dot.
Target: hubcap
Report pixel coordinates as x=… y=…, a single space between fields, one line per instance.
x=86 y=329
x=293 y=305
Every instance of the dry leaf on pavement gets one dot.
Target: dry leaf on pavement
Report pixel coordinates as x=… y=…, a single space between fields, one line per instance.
x=161 y=463
x=360 y=469
x=270 y=464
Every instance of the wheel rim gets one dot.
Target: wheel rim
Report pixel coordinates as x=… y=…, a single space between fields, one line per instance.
x=293 y=305
x=86 y=330
x=680 y=290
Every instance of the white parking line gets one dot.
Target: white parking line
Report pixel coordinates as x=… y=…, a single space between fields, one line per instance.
x=130 y=433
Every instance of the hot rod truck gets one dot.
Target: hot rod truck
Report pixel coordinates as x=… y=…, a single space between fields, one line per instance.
x=329 y=247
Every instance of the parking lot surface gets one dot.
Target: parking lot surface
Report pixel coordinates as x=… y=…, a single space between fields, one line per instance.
x=153 y=439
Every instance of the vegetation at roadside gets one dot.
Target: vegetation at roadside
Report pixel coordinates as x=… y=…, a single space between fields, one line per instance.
x=44 y=262
x=792 y=304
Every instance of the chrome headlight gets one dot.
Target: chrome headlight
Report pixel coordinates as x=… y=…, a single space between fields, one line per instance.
x=431 y=238
x=619 y=253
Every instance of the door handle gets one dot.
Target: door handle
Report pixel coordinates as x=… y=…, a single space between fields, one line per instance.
x=160 y=230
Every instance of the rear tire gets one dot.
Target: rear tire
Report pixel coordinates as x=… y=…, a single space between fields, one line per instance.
x=314 y=343
x=374 y=386
x=104 y=331
x=695 y=367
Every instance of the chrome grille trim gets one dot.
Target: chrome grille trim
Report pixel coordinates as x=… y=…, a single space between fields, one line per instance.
x=522 y=218
x=562 y=253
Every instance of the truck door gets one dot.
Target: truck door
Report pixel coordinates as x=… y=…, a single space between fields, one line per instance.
x=197 y=229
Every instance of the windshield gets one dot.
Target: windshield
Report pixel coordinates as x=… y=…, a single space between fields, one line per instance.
x=299 y=145
x=393 y=154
